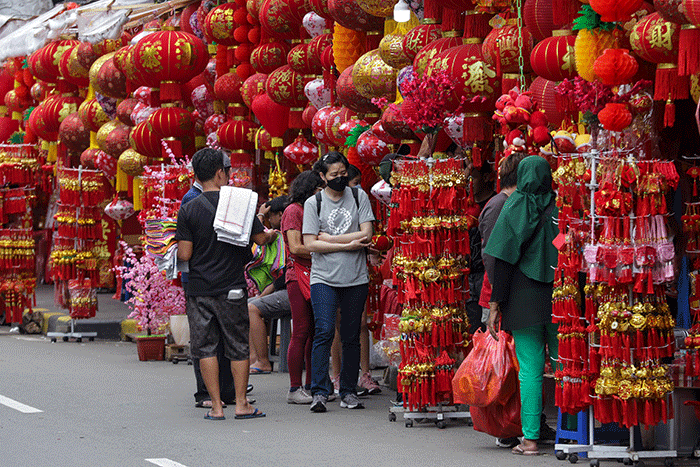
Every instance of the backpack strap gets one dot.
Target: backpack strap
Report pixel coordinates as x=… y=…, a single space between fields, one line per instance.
x=355 y=195
x=318 y=203
x=208 y=204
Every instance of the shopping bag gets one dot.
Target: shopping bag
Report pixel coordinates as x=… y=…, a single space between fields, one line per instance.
x=499 y=420
x=489 y=374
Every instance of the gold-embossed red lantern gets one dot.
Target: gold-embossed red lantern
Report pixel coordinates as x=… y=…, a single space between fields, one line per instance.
x=348 y=14
x=220 y=24
x=615 y=117
x=615 y=10
x=373 y=77
x=336 y=117
x=381 y=8
x=113 y=138
x=172 y=58
x=227 y=88
x=317 y=45
x=43 y=63
x=301 y=151
x=350 y=97
x=86 y=55
x=553 y=58
x=391 y=49
x=238 y=134
x=131 y=162
x=88 y=156
x=545 y=96
x=71 y=69
x=501 y=45
x=394 y=123
x=655 y=40
x=252 y=87
x=73 y=133
x=299 y=59
x=308 y=115
x=427 y=53
x=125 y=109
x=285 y=86
x=419 y=37
x=278 y=19
x=615 y=67
x=92 y=114
x=172 y=124
x=145 y=141
x=58 y=109
x=267 y=57
x=107 y=79
x=37 y=124
x=320 y=7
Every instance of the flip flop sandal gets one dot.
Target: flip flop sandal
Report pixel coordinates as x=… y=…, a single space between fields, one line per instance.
x=518 y=450
x=256 y=414
x=258 y=371
x=200 y=404
x=209 y=416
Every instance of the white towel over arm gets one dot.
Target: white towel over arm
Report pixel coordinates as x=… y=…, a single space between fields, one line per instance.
x=235 y=213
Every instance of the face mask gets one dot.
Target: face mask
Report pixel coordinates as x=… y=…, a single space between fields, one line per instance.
x=338 y=183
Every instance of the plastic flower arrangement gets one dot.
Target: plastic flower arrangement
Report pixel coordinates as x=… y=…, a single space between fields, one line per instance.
x=153 y=297
x=428 y=101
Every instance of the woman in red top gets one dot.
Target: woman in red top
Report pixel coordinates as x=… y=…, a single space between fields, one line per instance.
x=299 y=264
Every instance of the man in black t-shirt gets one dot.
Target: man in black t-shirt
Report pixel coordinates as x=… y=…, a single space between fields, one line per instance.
x=216 y=294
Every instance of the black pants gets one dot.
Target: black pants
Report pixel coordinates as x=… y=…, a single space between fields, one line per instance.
x=228 y=392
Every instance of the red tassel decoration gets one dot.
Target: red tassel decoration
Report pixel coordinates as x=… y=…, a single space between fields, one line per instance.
x=688 y=50
x=669 y=114
x=432 y=12
x=452 y=20
x=509 y=81
x=668 y=83
x=476 y=24
x=475 y=127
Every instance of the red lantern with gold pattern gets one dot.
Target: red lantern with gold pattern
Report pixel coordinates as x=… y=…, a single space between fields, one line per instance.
x=263 y=140
x=350 y=97
x=655 y=40
x=394 y=123
x=92 y=114
x=299 y=59
x=301 y=151
x=285 y=86
x=615 y=10
x=308 y=115
x=238 y=134
x=71 y=69
x=58 y=109
x=73 y=133
x=145 y=141
x=336 y=117
x=44 y=63
x=427 y=53
x=419 y=37
x=172 y=58
x=124 y=110
x=266 y=58
x=317 y=45
x=171 y=122
x=220 y=24
x=371 y=148
x=501 y=46
x=107 y=79
x=278 y=19
x=113 y=138
x=615 y=117
x=553 y=58
x=615 y=67
x=373 y=77
x=320 y=7
x=88 y=157
x=86 y=55
x=252 y=87
x=37 y=124
x=348 y=14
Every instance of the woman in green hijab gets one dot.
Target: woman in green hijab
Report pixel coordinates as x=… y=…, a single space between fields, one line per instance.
x=521 y=242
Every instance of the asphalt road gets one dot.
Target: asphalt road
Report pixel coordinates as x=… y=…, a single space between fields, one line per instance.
x=99 y=406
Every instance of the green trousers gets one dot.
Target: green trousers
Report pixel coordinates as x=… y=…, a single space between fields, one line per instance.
x=529 y=347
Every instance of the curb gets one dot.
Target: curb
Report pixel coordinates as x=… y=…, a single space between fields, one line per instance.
x=105 y=329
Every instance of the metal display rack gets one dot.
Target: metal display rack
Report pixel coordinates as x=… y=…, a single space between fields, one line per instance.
x=65 y=336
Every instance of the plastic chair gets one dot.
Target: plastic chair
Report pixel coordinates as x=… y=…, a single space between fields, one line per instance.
x=285 y=332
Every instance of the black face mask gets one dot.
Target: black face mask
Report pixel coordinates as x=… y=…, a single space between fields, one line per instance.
x=338 y=183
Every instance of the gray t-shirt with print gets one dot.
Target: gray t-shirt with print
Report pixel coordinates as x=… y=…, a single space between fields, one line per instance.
x=342 y=268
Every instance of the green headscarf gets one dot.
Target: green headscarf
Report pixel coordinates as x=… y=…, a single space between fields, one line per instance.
x=519 y=218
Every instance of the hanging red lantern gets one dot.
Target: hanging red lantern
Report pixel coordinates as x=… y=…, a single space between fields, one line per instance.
x=71 y=69
x=37 y=124
x=688 y=50
x=88 y=157
x=278 y=19
x=348 y=14
x=372 y=77
x=145 y=141
x=237 y=134
x=172 y=124
x=113 y=138
x=186 y=15
x=553 y=58
x=419 y=37
x=107 y=79
x=299 y=59
x=500 y=48
x=655 y=40
x=427 y=53
x=227 y=88
x=615 y=10
x=92 y=115
x=58 y=109
x=263 y=141
x=172 y=58
x=252 y=87
x=308 y=115
x=213 y=123
x=350 y=97
x=545 y=96
x=316 y=47
x=378 y=129
x=273 y=116
x=537 y=15
x=86 y=55
x=615 y=117
x=615 y=67
x=267 y=57
x=285 y=86
x=219 y=25
x=371 y=148
x=320 y=7
x=125 y=109
x=73 y=133
x=394 y=124
x=318 y=125
x=336 y=117
x=44 y=63
x=301 y=151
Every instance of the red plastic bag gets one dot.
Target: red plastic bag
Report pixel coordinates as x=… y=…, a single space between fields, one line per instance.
x=499 y=420
x=489 y=374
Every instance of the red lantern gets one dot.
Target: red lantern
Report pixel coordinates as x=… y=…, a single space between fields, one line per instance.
x=615 y=117
x=273 y=116
x=378 y=129
x=278 y=19
x=348 y=126
x=227 y=88
x=113 y=138
x=553 y=58
x=145 y=141
x=500 y=48
x=336 y=117
x=299 y=59
x=124 y=110
x=44 y=63
x=320 y=7
x=92 y=114
x=316 y=47
x=107 y=79
x=394 y=124
x=538 y=18
x=308 y=115
x=427 y=53
x=615 y=67
x=219 y=24
x=545 y=96
x=171 y=122
x=87 y=55
x=88 y=157
x=371 y=149
x=318 y=125
x=266 y=58
x=615 y=10
x=170 y=57
x=252 y=87
x=263 y=140
x=73 y=133
x=349 y=96
x=286 y=87
x=301 y=151
x=71 y=69
x=419 y=37
x=655 y=40
x=58 y=109
x=237 y=134
x=348 y=14
x=37 y=124
x=213 y=123
x=186 y=15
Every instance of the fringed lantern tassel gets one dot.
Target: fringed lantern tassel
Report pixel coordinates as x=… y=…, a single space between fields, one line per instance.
x=564 y=12
x=295 y=120
x=688 y=50
x=432 y=12
x=372 y=39
x=137 y=194
x=452 y=21
x=122 y=180
x=52 y=156
x=509 y=81
x=474 y=128
x=476 y=24
x=669 y=85
x=670 y=115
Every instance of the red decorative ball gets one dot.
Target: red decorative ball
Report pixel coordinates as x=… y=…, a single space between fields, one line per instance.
x=615 y=117
x=349 y=96
x=264 y=140
x=87 y=54
x=244 y=71
x=243 y=52
x=308 y=115
x=107 y=79
x=220 y=23
x=336 y=117
x=615 y=67
x=170 y=122
x=92 y=114
x=277 y=18
x=316 y=47
x=378 y=129
x=348 y=126
x=615 y=10
x=237 y=135
x=371 y=148
x=227 y=88
x=88 y=157
x=71 y=69
x=394 y=123
x=266 y=58
x=73 y=133
x=553 y=58
x=113 y=138
x=124 y=110
x=252 y=87
x=59 y=108
x=301 y=151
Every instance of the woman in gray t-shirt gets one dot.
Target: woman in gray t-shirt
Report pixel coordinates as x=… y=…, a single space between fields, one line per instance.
x=337 y=228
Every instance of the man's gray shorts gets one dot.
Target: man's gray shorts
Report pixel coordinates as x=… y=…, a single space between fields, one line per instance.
x=273 y=306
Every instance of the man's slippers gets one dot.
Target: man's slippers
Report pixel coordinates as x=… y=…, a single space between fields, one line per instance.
x=209 y=416
x=258 y=371
x=203 y=404
x=524 y=452
x=256 y=414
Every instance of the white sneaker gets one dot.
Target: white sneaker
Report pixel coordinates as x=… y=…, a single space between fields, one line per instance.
x=299 y=397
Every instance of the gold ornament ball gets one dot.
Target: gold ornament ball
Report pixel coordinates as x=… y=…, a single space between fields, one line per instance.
x=132 y=163
x=391 y=51
x=104 y=132
x=381 y=8
x=373 y=77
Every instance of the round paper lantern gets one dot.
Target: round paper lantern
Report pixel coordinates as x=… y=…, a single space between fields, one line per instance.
x=538 y=19
x=374 y=78
x=348 y=14
x=88 y=157
x=320 y=7
x=301 y=151
x=73 y=133
x=371 y=149
x=37 y=124
x=502 y=45
x=336 y=117
x=315 y=90
x=106 y=78
x=132 y=163
x=391 y=51
x=378 y=129
x=213 y=123
x=227 y=88
x=237 y=134
x=318 y=125
x=56 y=110
x=419 y=37
x=350 y=97
x=553 y=58
x=266 y=58
x=141 y=113
x=308 y=115
x=113 y=138
x=394 y=123
x=314 y=23
x=263 y=140
x=119 y=209
x=379 y=8
x=145 y=141
x=277 y=18
x=125 y=109
x=219 y=24
x=273 y=116
x=427 y=53
x=655 y=40
x=615 y=10
x=45 y=66
x=589 y=45
x=299 y=59
x=615 y=67
x=106 y=163
x=92 y=115
x=348 y=126
x=348 y=45
x=252 y=87
x=171 y=122
x=615 y=117
x=670 y=10
x=285 y=86
x=544 y=95
x=170 y=58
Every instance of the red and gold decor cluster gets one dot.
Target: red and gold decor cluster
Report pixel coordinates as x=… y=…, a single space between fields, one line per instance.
x=429 y=221
x=17 y=276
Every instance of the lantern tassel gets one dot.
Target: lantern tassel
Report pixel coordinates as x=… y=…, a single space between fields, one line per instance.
x=122 y=180
x=452 y=20
x=669 y=114
x=476 y=25
x=432 y=11
x=295 y=120
x=137 y=194
x=564 y=12
x=170 y=91
x=669 y=85
x=688 y=50
x=474 y=128
x=509 y=81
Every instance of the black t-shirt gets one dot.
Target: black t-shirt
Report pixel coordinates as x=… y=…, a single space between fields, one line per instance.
x=215 y=267
x=477 y=263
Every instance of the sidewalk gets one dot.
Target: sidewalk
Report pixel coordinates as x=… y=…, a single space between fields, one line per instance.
x=110 y=321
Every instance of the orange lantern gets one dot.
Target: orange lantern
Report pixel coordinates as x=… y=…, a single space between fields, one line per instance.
x=615 y=67
x=615 y=117
x=301 y=151
x=266 y=58
x=501 y=50
x=238 y=134
x=553 y=58
x=348 y=46
x=611 y=11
